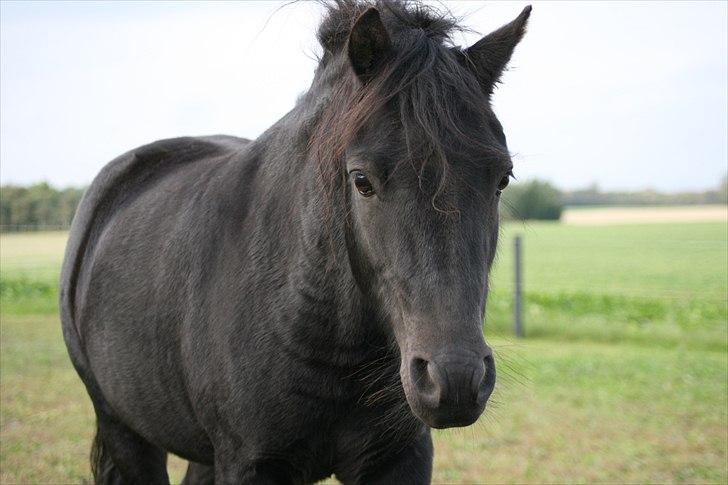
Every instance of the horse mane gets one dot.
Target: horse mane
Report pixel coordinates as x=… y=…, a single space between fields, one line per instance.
x=425 y=81
x=397 y=15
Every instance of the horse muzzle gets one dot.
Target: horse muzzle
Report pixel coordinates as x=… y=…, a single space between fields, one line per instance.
x=449 y=389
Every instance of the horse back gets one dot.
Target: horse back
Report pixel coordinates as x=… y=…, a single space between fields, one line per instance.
x=120 y=181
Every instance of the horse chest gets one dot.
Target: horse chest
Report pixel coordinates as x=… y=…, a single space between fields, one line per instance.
x=311 y=416
x=325 y=439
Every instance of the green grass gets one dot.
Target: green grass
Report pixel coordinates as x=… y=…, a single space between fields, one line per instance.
x=584 y=412
x=33 y=256
x=577 y=412
x=623 y=376
x=661 y=284
x=30 y=265
x=650 y=260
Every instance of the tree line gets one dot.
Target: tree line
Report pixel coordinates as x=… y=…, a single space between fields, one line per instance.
x=593 y=196
x=37 y=207
x=537 y=199
x=43 y=207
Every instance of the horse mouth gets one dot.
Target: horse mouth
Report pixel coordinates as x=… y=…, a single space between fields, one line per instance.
x=455 y=419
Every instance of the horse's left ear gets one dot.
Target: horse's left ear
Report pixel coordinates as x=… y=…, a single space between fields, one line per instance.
x=369 y=44
x=488 y=57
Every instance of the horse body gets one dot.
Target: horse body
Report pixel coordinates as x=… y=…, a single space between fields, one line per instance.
x=228 y=301
x=180 y=275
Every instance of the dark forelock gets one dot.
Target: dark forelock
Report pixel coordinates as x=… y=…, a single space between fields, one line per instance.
x=396 y=15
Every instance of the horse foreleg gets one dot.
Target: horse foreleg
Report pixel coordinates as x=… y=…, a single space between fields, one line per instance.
x=199 y=474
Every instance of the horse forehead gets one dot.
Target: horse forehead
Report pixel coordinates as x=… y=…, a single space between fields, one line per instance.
x=470 y=139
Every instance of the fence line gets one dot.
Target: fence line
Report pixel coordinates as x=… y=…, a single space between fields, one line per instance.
x=9 y=228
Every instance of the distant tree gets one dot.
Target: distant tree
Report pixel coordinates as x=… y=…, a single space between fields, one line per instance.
x=532 y=200
x=38 y=206
x=722 y=195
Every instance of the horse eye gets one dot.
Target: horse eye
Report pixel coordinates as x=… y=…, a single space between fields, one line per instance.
x=363 y=185
x=503 y=183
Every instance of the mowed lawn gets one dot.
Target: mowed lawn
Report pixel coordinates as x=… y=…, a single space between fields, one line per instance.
x=623 y=376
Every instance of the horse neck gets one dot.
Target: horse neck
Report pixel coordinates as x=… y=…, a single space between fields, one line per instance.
x=323 y=314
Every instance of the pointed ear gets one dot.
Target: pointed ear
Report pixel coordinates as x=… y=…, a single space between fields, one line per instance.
x=369 y=44
x=488 y=57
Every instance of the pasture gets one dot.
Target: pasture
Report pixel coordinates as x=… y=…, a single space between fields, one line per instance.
x=623 y=376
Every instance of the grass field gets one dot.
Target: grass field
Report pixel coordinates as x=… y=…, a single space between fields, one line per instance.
x=623 y=376
x=658 y=284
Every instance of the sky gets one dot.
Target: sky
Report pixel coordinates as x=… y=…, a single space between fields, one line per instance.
x=627 y=95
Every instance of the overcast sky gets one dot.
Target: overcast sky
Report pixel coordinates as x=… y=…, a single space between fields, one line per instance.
x=627 y=95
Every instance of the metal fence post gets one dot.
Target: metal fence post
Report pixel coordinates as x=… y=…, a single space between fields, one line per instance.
x=517 y=296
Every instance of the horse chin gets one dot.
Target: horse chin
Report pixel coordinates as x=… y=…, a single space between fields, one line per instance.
x=443 y=419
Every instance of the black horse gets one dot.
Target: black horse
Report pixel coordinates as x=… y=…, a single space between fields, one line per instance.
x=311 y=302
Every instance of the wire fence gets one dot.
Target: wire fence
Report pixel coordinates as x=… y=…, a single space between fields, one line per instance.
x=45 y=260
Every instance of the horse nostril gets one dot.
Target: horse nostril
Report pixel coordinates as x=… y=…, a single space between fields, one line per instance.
x=422 y=378
x=478 y=374
x=487 y=382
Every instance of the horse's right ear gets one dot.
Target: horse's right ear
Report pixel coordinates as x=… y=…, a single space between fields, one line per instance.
x=369 y=44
